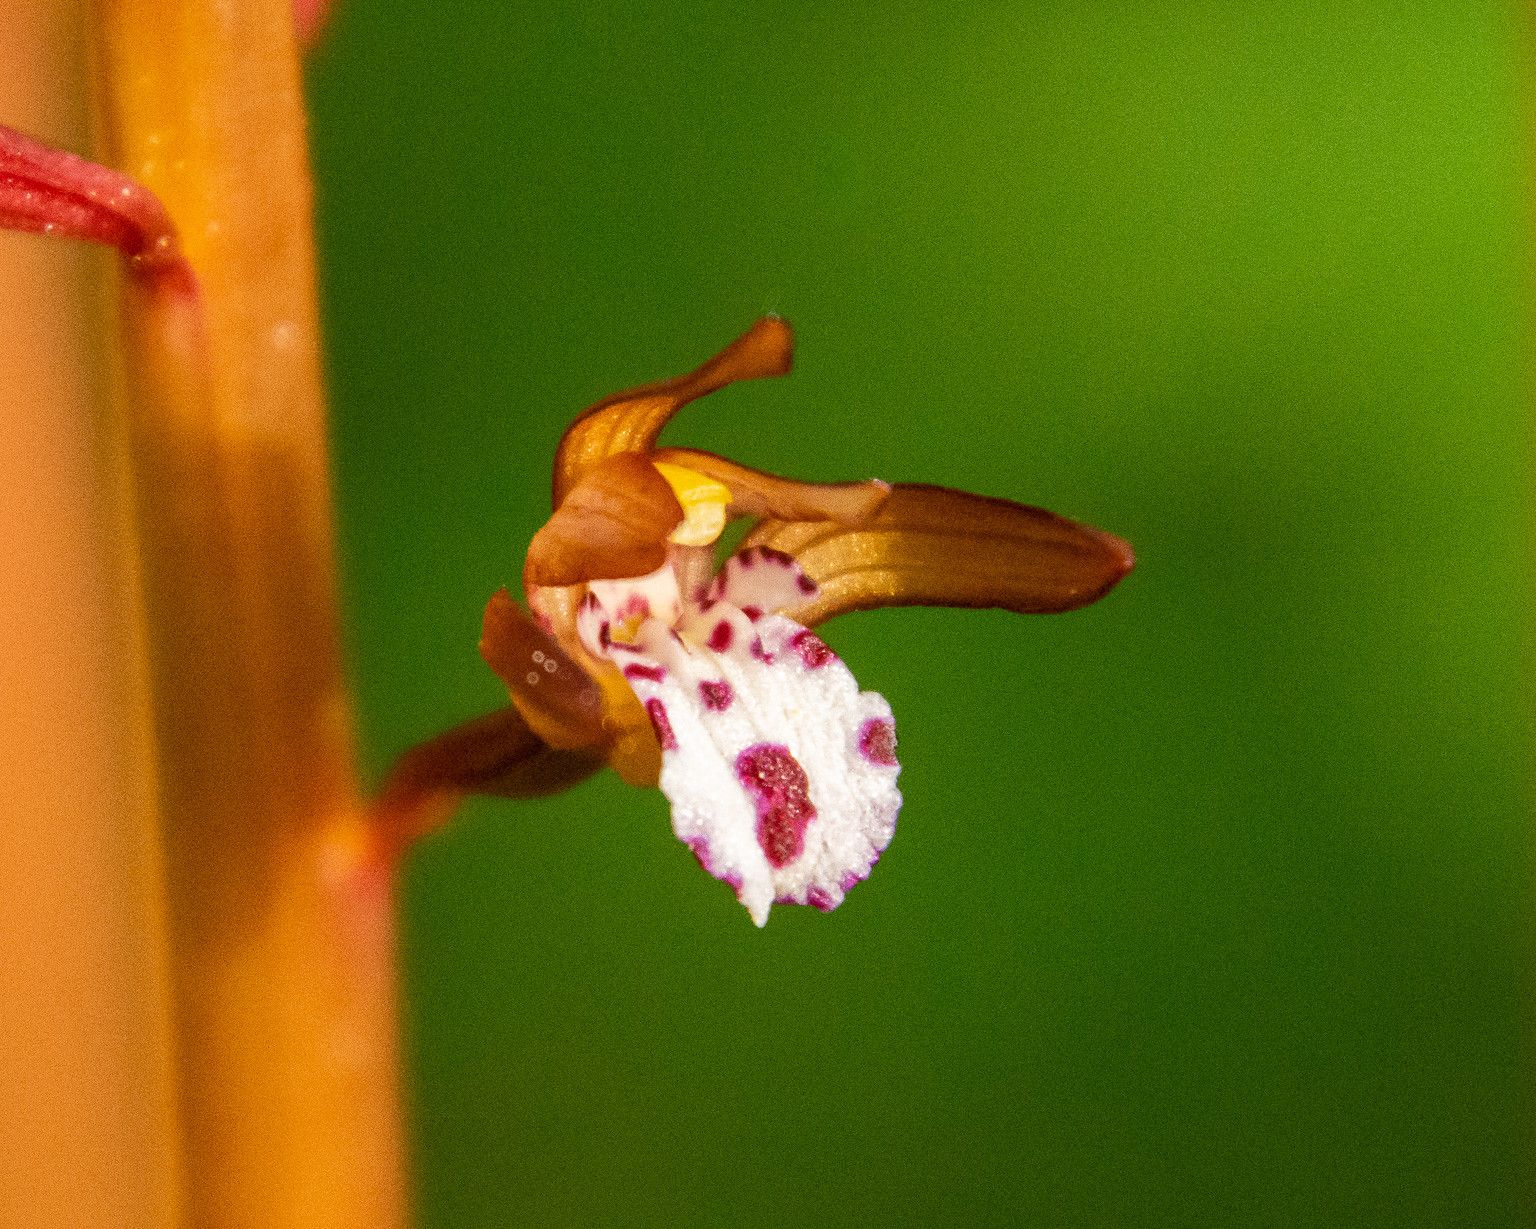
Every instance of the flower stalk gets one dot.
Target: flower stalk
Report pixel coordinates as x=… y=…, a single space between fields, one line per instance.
x=270 y=978
x=86 y=1070
x=281 y=947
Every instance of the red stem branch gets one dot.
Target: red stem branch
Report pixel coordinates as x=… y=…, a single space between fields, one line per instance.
x=53 y=192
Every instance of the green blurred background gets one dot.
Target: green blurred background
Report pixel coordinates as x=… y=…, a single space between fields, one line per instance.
x=1210 y=905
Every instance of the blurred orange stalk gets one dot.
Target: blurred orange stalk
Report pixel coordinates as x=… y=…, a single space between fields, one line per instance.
x=240 y=917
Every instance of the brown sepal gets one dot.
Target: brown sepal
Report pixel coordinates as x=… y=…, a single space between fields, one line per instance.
x=557 y=698
x=930 y=546
x=630 y=421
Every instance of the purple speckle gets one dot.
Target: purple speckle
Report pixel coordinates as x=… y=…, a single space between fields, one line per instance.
x=720 y=636
x=605 y=634
x=657 y=712
x=752 y=612
x=812 y=649
x=700 y=847
x=804 y=583
x=635 y=607
x=781 y=793
x=652 y=674
x=701 y=850
x=716 y=694
x=747 y=557
x=877 y=741
x=758 y=650
x=819 y=898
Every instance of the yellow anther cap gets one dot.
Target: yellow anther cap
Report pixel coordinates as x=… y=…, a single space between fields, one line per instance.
x=704 y=503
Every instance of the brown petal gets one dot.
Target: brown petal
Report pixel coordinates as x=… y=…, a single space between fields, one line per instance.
x=612 y=524
x=496 y=754
x=557 y=698
x=630 y=421
x=754 y=493
x=930 y=546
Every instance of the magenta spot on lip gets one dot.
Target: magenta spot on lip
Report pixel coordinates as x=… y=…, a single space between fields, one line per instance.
x=716 y=694
x=619 y=646
x=636 y=670
x=657 y=712
x=847 y=881
x=720 y=636
x=635 y=607
x=776 y=556
x=804 y=583
x=747 y=557
x=605 y=635
x=877 y=741
x=781 y=793
x=759 y=651
x=812 y=649
x=819 y=898
x=752 y=612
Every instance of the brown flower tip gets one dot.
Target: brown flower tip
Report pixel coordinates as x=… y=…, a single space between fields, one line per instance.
x=930 y=546
x=630 y=421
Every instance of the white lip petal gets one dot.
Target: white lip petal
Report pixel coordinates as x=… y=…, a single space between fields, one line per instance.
x=780 y=771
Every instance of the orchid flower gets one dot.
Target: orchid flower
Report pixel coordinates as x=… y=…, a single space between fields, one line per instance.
x=639 y=651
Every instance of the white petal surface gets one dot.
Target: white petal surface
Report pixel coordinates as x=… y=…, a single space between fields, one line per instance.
x=759 y=580
x=780 y=771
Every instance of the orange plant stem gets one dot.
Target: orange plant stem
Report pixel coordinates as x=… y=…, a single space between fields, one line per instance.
x=87 y=1134
x=281 y=942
